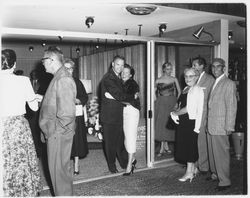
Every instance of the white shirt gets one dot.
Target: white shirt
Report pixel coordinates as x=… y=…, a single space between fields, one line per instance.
x=195 y=101
x=15 y=91
x=217 y=80
x=200 y=77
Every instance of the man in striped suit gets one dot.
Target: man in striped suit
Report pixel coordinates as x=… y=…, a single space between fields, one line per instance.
x=222 y=106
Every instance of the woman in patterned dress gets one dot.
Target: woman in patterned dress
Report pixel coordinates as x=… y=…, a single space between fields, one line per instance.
x=21 y=175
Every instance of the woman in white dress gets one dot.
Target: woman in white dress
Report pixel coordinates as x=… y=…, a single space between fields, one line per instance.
x=131 y=115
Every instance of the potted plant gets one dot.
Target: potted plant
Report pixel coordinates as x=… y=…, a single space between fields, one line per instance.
x=238 y=140
x=94 y=127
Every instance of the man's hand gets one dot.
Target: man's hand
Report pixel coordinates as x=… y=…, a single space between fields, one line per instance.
x=78 y=101
x=136 y=95
x=108 y=95
x=229 y=132
x=174 y=117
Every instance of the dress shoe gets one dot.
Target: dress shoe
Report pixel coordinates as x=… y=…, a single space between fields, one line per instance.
x=221 y=188
x=76 y=172
x=213 y=177
x=203 y=172
x=114 y=171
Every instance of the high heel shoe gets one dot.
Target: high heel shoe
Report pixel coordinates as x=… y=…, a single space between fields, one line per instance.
x=130 y=172
x=134 y=162
x=132 y=168
x=187 y=177
x=164 y=151
x=76 y=172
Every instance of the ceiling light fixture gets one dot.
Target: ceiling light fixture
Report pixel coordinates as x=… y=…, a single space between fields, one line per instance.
x=43 y=43
x=139 y=29
x=141 y=9
x=77 y=50
x=126 y=31
x=97 y=45
x=162 y=29
x=31 y=48
x=197 y=34
x=60 y=38
x=89 y=21
x=242 y=23
x=230 y=35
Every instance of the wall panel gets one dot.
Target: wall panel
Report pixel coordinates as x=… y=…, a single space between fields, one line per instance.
x=98 y=64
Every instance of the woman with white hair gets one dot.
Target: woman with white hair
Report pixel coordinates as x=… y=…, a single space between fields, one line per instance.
x=189 y=113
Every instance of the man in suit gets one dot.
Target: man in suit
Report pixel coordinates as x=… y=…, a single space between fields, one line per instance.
x=57 y=121
x=111 y=115
x=205 y=81
x=222 y=106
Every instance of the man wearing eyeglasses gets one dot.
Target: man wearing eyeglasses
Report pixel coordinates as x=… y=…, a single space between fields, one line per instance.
x=57 y=121
x=205 y=81
x=222 y=106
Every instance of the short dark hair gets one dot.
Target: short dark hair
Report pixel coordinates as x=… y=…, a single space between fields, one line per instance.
x=165 y=65
x=118 y=57
x=8 y=59
x=132 y=71
x=200 y=60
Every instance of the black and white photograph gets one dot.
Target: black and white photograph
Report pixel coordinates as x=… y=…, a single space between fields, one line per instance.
x=123 y=98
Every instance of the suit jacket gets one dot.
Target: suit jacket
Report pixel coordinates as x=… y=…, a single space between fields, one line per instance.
x=112 y=110
x=222 y=106
x=206 y=82
x=57 y=114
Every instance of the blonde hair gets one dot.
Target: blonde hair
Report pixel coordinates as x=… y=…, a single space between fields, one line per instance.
x=195 y=71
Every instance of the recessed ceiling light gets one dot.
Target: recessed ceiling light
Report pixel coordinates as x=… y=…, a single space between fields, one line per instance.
x=141 y=9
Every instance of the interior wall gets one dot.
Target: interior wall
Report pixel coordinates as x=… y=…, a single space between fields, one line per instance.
x=28 y=60
x=94 y=66
x=184 y=56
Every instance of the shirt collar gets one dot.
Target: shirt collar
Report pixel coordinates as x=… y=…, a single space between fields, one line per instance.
x=200 y=76
x=219 y=78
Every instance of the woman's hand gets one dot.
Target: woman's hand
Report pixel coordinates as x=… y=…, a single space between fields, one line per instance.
x=78 y=101
x=174 y=117
x=108 y=95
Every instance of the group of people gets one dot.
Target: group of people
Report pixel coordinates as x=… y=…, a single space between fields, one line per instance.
x=64 y=130
x=204 y=114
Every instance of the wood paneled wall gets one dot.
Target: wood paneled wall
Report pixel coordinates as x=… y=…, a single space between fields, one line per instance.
x=94 y=66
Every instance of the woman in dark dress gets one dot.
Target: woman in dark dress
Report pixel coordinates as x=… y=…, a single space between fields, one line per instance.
x=167 y=92
x=80 y=145
x=190 y=113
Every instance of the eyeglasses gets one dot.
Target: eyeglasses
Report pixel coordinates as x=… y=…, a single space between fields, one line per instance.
x=69 y=68
x=45 y=58
x=189 y=76
x=214 y=66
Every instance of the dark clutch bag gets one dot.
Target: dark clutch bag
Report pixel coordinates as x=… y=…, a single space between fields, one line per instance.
x=170 y=124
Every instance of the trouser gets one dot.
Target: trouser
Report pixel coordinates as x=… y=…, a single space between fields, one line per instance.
x=114 y=145
x=219 y=157
x=59 y=149
x=203 y=150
